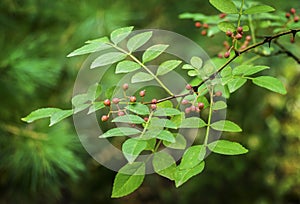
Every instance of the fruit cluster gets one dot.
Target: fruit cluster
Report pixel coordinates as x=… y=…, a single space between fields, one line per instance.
x=293 y=14
x=204 y=26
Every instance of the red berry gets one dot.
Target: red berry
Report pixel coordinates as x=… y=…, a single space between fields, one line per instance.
x=193 y=108
x=218 y=93
x=125 y=87
x=238 y=36
x=198 y=25
x=197 y=109
x=204 y=32
x=106 y=102
x=248 y=38
x=287 y=15
x=239 y=29
x=296 y=19
x=292 y=39
x=142 y=93
x=116 y=100
x=146 y=119
x=205 y=25
x=132 y=99
x=222 y=15
x=243 y=47
x=293 y=11
x=220 y=55
x=227 y=54
x=121 y=113
x=228 y=33
x=200 y=105
x=104 y=118
x=153 y=106
x=187 y=110
x=188 y=87
x=184 y=102
x=154 y=101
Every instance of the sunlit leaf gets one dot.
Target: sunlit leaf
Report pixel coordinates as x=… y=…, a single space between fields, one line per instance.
x=153 y=52
x=226 y=26
x=133 y=119
x=192 y=157
x=270 y=83
x=219 y=105
x=120 y=131
x=96 y=106
x=192 y=122
x=138 y=40
x=226 y=125
x=161 y=123
x=259 y=9
x=246 y=70
x=127 y=66
x=141 y=77
x=196 y=62
x=120 y=34
x=180 y=142
x=182 y=176
x=166 y=135
x=166 y=112
x=227 y=147
x=235 y=84
x=164 y=165
x=225 y=6
x=138 y=108
x=132 y=148
x=108 y=58
x=40 y=113
x=167 y=66
x=60 y=115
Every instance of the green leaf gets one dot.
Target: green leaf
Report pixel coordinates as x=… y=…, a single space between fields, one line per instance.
x=192 y=157
x=132 y=148
x=132 y=119
x=110 y=91
x=81 y=107
x=161 y=123
x=193 y=73
x=40 y=113
x=166 y=112
x=165 y=104
x=235 y=84
x=259 y=9
x=192 y=122
x=151 y=144
x=177 y=119
x=225 y=6
x=60 y=115
x=226 y=26
x=120 y=34
x=138 y=40
x=227 y=147
x=187 y=66
x=96 y=106
x=98 y=40
x=196 y=62
x=141 y=77
x=153 y=52
x=120 y=131
x=219 y=105
x=127 y=66
x=79 y=99
x=180 y=142
x=246 y=70
x=90 y=48
x=167 y=66
x=128 y=179
x=138 y=108
x=108 y=58
x=164 y=164
x=166 y=135
x=270 y=83
x=93 y=91
x=226 y=125
x=182 y=176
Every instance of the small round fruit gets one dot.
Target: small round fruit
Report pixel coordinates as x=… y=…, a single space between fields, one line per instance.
x=218 y=93
x=193 y=108
x=296 y=19
x=153 y=106
x=187 y=110
x=146 y=119
x=104 y=118
x=198 y=24
x=239 y=29
x=154 y=101
x=142 y=93
x=125 y=87
x=227 y=54
x=293 y=10
x=132 y=99
x=188 y=87
x=121 y=113
x=184 y=102
x=204 y=32
x=248 y=38
x=228 y=33
x=222 y=15
x=220 y=55
x=200 y=105
x=238 y=36
x=205 y=25
x=106 y=102
x=287 y=15
x=116 y=100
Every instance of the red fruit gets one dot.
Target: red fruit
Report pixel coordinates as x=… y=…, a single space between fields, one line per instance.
x=142 y=93
x=287 y=15
x=218 y=93
x=197 y=109
x=116 y=100
x=132 y=99
x=200 y=105
x=248 y=38
x=228 y=33
x=153 y=106
x=238 y=36
x=293 y=11
x=239 y=29
x=205 y=25
x=125 y=87
x=220 y=55
x=243 y=47
x=187 y=110
x=193 y=108
x=198 y=25
x=188 y=87
x=222 y=15
x=146 y=119
x=204 y=32
x=154 y=101
x=184 y=102
x=296 y=19
x=104 y=118
x=227 y=54
x=121 y=113
x=106 y=102
x=292 y=39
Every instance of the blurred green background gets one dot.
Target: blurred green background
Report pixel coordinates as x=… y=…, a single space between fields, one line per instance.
x=39 y=164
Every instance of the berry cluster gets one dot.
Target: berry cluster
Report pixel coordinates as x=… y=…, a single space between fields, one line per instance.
x=293 y=14
x=205 y=26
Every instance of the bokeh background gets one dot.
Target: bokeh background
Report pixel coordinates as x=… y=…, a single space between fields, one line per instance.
x=39 y=164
